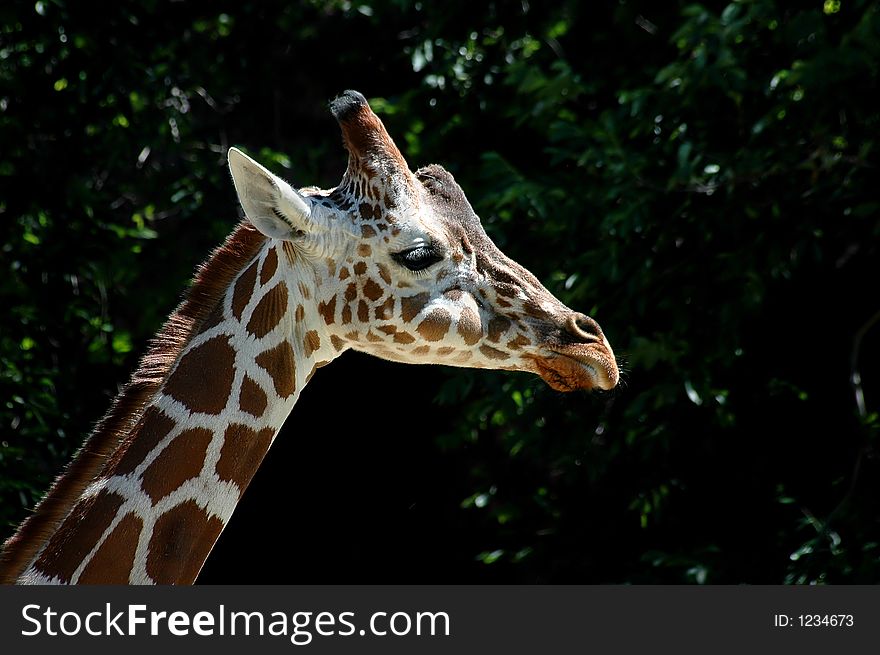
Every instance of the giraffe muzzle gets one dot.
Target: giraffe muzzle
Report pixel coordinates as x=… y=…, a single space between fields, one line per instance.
x=581 y=359
x=591 y=367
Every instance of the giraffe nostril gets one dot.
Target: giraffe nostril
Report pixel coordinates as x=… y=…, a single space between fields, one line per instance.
x=583 y=328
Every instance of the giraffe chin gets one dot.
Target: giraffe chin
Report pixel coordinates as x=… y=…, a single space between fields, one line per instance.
x=571 y=371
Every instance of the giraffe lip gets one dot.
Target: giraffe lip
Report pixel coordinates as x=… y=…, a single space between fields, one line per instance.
x=578 y=367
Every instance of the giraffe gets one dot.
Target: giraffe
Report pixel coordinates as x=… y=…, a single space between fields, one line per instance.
x=390 y=262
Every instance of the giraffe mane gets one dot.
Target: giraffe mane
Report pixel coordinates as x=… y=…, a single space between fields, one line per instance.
x=212 y=279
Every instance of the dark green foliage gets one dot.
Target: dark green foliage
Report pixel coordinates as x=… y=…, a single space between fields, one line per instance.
x=700 y=179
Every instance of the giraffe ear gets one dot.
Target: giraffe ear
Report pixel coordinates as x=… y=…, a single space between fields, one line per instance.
x=274 y=207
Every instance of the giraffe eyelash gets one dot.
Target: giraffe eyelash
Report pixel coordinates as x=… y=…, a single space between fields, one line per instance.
x=419 y=259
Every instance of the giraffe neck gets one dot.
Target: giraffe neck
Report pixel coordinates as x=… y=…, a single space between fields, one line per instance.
x=164 y=495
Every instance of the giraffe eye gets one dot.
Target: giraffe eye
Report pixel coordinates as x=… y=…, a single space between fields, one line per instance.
x=418 y=258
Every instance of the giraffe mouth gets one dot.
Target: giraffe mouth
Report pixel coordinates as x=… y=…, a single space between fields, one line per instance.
x=578 y=367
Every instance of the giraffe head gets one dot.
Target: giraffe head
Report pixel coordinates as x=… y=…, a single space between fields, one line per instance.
x=401 y=267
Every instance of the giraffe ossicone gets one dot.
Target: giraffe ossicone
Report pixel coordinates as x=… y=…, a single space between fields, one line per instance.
x=390 y=262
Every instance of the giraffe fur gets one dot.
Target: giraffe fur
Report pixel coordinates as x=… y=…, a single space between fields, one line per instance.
x=391 y=262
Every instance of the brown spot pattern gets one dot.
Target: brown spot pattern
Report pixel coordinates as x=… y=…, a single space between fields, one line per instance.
x=387 y=329
x=346 y=315
x=412 y=305
x=363 y=312
x=360 y=268
x=79 y=533
x=364 y=250
x=299 y=313
x=182 y=538
x=385 y=311
x=327 y=310
x=498 y=326
x=343 y=273
x=153 y=427
x=243 y=451
x=279 y=364
x=367 y=231
x=372 y=290
x=469 y=327
x=435 y=325
x=421 y=350
x=212 y=281
x=251 y=398
x=203 y=378
x=269 y=311
x=114 y=560
x=180 y=461
x=311 y=342
x=403 y=337
x=338 y=344
x=270 y=264
x=244 y=287
x=518 y=342
x=494 y=353
x=533 y=309
x=383 y=273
